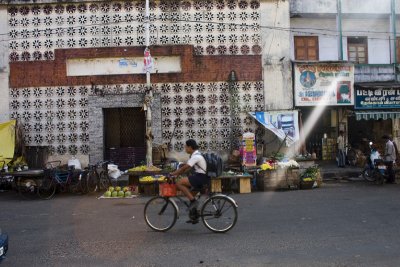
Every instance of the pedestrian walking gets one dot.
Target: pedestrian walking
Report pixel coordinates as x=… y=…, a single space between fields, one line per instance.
x=341 y=152
x=389 y=158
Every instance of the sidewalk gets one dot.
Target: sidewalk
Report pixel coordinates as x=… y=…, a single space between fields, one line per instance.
x=331 y=172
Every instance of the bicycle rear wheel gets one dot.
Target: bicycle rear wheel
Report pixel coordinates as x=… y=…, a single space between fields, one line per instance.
x=47 y=188
x=26 y=187
x=160 y=214
x=219 y=214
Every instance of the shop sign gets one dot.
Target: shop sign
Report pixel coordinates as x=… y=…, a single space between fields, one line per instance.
x=327 y=84
x=377 y=98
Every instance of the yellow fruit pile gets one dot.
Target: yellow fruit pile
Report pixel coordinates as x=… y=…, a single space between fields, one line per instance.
x=146 y=179
x=151 y=179
x=144 y=168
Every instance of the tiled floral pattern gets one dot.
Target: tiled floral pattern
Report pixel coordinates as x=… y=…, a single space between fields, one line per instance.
x=214 y=27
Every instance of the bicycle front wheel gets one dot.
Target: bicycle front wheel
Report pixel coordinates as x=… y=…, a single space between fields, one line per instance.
x=105 y=181
x=219 y=214
x=368 y=174
x=47 y=188
x=92 y=182
x=160 y=214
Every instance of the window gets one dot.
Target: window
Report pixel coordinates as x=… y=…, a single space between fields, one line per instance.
x=398 y=49
x=306 y=47
x=357 y=49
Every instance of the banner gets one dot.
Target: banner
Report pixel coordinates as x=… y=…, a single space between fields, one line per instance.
x=249 y=150
x=328 y=84
x=377 y=98
x=284 y=124
x=7 y=139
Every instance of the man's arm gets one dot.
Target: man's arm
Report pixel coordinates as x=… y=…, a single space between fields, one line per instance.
x=181 y=170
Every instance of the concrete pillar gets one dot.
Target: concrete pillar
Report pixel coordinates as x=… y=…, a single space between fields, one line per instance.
x=4 y=68
x=277 y=70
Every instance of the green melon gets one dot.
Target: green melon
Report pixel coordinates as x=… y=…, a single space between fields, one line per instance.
x=114 y=194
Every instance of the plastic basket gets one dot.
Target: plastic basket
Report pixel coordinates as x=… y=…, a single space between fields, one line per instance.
x=167 y=190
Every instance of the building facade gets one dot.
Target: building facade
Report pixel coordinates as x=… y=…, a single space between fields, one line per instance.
x=363 y=33
x=71 y=73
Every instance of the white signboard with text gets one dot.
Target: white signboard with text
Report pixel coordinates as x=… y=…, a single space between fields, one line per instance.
x=327 y=84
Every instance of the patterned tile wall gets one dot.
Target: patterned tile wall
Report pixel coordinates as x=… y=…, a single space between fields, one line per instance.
x=214 y=27
x=58 y=116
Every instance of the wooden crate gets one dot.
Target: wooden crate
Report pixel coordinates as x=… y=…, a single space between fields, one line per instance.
x=278 y=179
x=216 y=186
x=245 y=185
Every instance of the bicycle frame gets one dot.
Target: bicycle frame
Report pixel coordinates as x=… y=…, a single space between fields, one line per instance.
x=198 y=196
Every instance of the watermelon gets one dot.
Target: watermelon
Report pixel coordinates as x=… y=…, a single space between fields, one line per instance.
x=107 y=194
x=114 y=194
x=128 y=193
x=120 y=193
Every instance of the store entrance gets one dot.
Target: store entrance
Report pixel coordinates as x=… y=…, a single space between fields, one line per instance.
x=361 y=132
x=322 y=138
x=124 y=136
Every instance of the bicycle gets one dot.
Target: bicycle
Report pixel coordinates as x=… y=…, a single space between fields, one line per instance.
x=97 y=180
x=69 y=180
x=6 y=180
x=218 y=212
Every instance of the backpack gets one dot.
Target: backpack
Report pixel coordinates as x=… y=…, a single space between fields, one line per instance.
x=215 y=165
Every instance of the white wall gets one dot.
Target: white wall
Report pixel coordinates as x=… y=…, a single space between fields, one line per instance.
x=276 y=44
x=4 y=68
x=378 y=51
x=366 y=6
x=328 y=48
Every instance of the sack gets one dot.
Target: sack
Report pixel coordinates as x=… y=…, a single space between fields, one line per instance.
x=215 y=165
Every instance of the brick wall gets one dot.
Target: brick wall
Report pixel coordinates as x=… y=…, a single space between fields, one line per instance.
x=194 y=68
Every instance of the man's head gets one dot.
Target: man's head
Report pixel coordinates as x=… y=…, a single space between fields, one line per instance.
x=341 y=132
x=191 y=146
x=386 y=137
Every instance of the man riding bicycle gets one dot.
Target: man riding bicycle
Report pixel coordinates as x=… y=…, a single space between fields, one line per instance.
x=197 y=179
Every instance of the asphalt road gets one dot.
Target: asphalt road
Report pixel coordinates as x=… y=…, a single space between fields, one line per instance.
x=343 y=224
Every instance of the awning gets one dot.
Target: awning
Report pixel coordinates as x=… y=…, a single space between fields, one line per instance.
x=283 y=124
x=376 y=115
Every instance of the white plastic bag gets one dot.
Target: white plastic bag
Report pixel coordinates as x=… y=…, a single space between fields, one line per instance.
x=113 y=171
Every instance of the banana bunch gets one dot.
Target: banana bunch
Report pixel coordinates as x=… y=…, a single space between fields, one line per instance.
x=138 y=169
x=146 y=179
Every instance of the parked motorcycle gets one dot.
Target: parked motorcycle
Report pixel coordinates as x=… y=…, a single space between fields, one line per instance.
x=375 y=169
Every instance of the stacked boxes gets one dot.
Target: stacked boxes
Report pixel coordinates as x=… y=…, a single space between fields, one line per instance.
x=328 y=149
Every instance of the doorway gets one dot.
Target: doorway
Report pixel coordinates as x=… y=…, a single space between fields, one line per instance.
x=124 y=136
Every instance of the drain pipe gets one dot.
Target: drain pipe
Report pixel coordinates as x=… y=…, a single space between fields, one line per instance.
x=394 y=32
x=149 y=97
x=339 y=28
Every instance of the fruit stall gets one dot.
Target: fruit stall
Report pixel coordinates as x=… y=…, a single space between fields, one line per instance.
x=287 y=174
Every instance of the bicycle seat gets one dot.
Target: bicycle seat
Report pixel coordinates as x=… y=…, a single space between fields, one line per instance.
x=29 y=173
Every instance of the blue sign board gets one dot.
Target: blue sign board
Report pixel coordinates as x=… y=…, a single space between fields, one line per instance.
x=381 y=98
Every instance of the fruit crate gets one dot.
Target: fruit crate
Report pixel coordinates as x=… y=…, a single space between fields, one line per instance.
x=149 y=189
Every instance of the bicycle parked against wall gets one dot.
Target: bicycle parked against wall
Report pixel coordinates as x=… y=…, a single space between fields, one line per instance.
x=69 y=180
x=96 y=180
x=218 y=212
x=6 y=180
